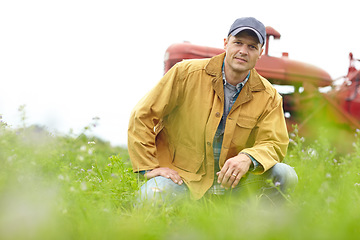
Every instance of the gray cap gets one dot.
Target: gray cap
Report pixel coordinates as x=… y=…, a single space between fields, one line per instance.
x=249 y=23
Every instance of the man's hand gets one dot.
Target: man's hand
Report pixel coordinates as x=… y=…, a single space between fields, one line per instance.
x=233 y=170
x=165 y=172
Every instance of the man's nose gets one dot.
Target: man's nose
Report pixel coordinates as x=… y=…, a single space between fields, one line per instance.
x=243 y=50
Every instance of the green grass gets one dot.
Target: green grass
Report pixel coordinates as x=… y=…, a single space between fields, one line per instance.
x=78 y=187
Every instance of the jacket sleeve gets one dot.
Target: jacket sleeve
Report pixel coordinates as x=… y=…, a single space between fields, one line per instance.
x=271 y=139
x=145 y=117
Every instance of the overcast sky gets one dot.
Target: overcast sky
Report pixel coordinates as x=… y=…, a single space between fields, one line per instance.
x=71 y=60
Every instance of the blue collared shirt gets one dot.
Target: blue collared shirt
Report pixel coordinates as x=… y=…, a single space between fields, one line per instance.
x=231 y=93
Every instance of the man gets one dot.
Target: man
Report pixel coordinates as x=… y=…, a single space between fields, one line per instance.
x=211 y=124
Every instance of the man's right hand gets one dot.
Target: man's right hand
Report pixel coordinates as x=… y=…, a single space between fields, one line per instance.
x=165 y=172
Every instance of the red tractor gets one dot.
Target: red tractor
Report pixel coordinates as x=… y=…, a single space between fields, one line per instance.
x=334 y=113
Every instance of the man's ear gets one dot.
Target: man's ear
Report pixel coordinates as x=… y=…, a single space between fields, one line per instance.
x=261 y=52
x=225 y=43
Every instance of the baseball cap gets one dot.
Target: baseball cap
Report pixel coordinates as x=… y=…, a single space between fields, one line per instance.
x=249 y=23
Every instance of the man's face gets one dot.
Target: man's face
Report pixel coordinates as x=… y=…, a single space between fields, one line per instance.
x=242 y=52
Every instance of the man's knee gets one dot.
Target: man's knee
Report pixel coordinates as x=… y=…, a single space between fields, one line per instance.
x=283 y=176
x=161 y=189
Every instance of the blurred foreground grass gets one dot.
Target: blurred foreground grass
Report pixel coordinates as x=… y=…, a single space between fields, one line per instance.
x=76 y=187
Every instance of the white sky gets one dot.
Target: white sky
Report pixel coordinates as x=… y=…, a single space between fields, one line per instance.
x=71 y=60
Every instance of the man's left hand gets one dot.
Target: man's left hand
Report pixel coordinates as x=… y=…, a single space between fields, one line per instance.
x=233 y=170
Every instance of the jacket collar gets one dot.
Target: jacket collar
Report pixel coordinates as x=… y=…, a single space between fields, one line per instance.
x=214 y=66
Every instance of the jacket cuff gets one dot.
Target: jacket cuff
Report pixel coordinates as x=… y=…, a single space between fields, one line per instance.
x=144 y=171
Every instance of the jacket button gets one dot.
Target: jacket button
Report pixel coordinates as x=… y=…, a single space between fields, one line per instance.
x=208 y=143
x=217 y=114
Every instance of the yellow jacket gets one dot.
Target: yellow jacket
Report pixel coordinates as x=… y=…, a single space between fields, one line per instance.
x=175 y=123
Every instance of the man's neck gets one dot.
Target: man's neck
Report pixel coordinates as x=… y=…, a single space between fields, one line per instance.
x=235 y=78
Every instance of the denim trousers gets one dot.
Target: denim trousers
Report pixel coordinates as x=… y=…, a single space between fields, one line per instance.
x=275 y=184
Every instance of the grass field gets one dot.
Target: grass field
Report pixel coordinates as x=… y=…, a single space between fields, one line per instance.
x=78 y=187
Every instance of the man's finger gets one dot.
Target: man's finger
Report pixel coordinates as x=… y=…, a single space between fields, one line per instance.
x=220 y=177
x=176 y=179
x=236 y=181
x=227 y=179
x=164 y=174
x=222 y=174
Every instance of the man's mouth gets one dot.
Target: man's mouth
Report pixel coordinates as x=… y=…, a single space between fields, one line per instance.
x=241 y=59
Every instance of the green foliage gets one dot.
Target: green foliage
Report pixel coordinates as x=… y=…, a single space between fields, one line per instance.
x=47 y=181
x=79 y=187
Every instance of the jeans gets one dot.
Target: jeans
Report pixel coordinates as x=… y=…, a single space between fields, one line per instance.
x=275 y=183
x=160 y=189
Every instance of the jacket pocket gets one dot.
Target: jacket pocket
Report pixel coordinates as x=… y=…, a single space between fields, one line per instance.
x=244 y=127
x=187 y=159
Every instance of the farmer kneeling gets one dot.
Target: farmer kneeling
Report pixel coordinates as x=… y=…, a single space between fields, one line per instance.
x=212 y=126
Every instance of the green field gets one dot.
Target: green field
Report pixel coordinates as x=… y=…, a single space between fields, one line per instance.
x=79 y=187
